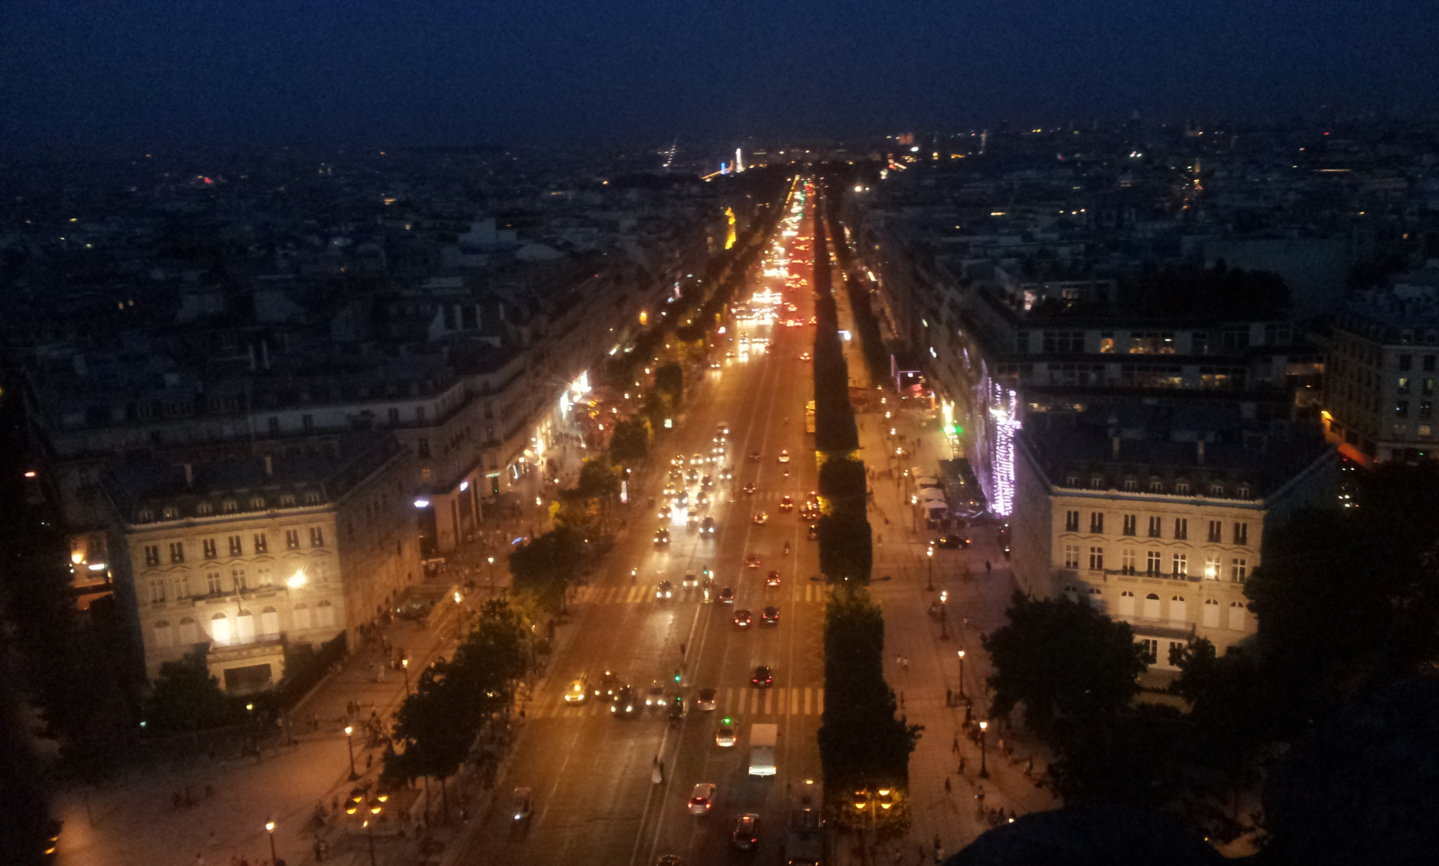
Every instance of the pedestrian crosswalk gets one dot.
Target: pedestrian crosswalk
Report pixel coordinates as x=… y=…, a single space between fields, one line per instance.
x=810 y=591
x=747 y=703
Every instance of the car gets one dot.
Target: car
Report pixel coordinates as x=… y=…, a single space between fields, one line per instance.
x=609 y=684
x=952 y=542
x=705 y=700
x=665 y=590
x=694 y=517
x=742 y=618
x=812 y=533
x=725 y=734
x=679 y=707
x=745 y=835
x=625 y=704
x=784 y=456
x=707 y=482
x=751 y=561
x=761 y=518
x=722 y=428
x=522 y=803
x=690 y=580
x=727 y=474
x=669 y=860
x=749 y=488
x=762 y=678
x=655 y=697
x=707 y=526
x=662 y=537
x=578 y=690
x=771 y=579
x=769 y=616
x=697 y=459
x=702 y=798
x=804 y=356
x=726 y=595
x=786 y=503
x=754 y=457
x=677 y=460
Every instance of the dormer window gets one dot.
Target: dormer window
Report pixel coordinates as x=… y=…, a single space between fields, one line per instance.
x=230 y=506
x=1131 y=484
x=169 y=512
x=1242 y=491
x=1181 y=487
x=257 y=503
x=145 y=515
x=204 y=508
x=1156 y=485
x=1216 y=490
x=1096 y=482
x=287 y=500
x=1071 y=481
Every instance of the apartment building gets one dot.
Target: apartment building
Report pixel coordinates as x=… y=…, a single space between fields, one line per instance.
x=242 y=559
x=1157 y=516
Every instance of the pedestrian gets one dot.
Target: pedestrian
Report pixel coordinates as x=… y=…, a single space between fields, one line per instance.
x=949 y=697
x=682 y=649
x=988 y=566
x=948 y=788
x=954 y=745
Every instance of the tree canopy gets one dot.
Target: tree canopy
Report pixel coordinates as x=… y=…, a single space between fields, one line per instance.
x=1064 y=661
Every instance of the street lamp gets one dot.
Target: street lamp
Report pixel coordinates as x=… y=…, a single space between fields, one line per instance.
x=377 y=806
x=929 y=558
x=350 y=745
x=491 y=561
x=983 y=766
x=405 y=666
x=944 y=614
x=961 y=674
x=270 y=829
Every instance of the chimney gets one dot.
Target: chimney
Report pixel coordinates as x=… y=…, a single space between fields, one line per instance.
x=1199 y=452
x=269 y=465
x=189 y=475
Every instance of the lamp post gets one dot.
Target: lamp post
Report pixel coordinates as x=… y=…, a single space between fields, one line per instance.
x=983 y=766
x=270 y=829
x=491 y=561
x=350 y=745
x=929 y=558
x=944 y=614
x=405 y=666
x=376 y=807
x=961 y=674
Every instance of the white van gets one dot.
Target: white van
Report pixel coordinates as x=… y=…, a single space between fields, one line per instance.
x=762 y=740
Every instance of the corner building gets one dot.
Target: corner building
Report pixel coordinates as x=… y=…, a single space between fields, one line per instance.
x=1157 y=515
x=244 y=559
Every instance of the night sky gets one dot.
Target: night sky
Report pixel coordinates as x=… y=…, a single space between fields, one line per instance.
x=171 y=72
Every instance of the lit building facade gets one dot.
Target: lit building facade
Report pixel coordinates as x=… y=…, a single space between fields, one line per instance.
x=242 y=559
x=1155 y=523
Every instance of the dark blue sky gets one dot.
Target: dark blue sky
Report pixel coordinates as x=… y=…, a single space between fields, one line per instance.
x=160 y=72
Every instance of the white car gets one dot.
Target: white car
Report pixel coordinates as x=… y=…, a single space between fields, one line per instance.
x=702 y=798
x=784 y=456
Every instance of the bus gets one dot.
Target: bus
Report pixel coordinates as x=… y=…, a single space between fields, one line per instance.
x=762 y=739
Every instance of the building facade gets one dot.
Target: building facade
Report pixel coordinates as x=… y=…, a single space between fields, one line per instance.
x=1158 y=527
x=242 y=560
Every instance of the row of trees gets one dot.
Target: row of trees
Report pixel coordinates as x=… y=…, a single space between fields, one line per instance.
x=438 y=726
x=1340 y=685
x=862 y=743
x=866 y=325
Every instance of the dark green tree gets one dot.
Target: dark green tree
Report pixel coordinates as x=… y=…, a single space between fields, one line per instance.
x=544 y=567
x=630 y=442
x=670 y=383
x=846 y=549
x=186 y=697
x=1065 y=662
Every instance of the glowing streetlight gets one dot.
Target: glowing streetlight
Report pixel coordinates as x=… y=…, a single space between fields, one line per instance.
x=929 y=558
x=983 y=766
x=270 y=829
x=961 y=674
x=350 y=745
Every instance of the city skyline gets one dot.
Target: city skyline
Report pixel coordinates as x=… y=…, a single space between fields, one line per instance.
x=158 y=73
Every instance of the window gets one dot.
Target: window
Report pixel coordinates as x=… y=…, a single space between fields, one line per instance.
x=1131 y=484
x=1096 y=481
x=1216 y=531
x=1242 y=491
x=212 y=583
x=1211 y=613
x=422 y=446
x=1238 y=614
x=157 y=591
x=1071 y=521
x=1216 y=490
x=1156 y=485
x=229 y=506
x=204 y=508
x=1126 y=561
x=1156 y=527
x=262 y=543
x=1401 y=409
x=235 y=546
x=419 y=413
x=1180 y=565
x=1238 y=569
x=1149 y=648
x=1153 y=562
x=394 y=415
x=182 y=587
x=266 y=577
x=292 y=539
x=1406 y=362
x=237 y=579
x=152 y=554
x=274 y=424
x=169 y=512
x=1071 y=556
x=1096 y=521
x=1181 y=487
x=1241 y=533
x=1428 y=361
x=177 y=551
x=207 y=548
x=1129 y=523
x=307 y=422
x=1096 y=559
x=287 y=500
x=317 y=536
x=1181 y=528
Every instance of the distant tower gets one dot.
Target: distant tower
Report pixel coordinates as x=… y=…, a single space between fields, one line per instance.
x=738 y=160
x=669 y=155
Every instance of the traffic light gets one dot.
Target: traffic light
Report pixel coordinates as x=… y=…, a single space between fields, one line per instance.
x=956 y=430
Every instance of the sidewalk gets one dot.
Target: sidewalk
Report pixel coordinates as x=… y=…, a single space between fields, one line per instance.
x=921 y=656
